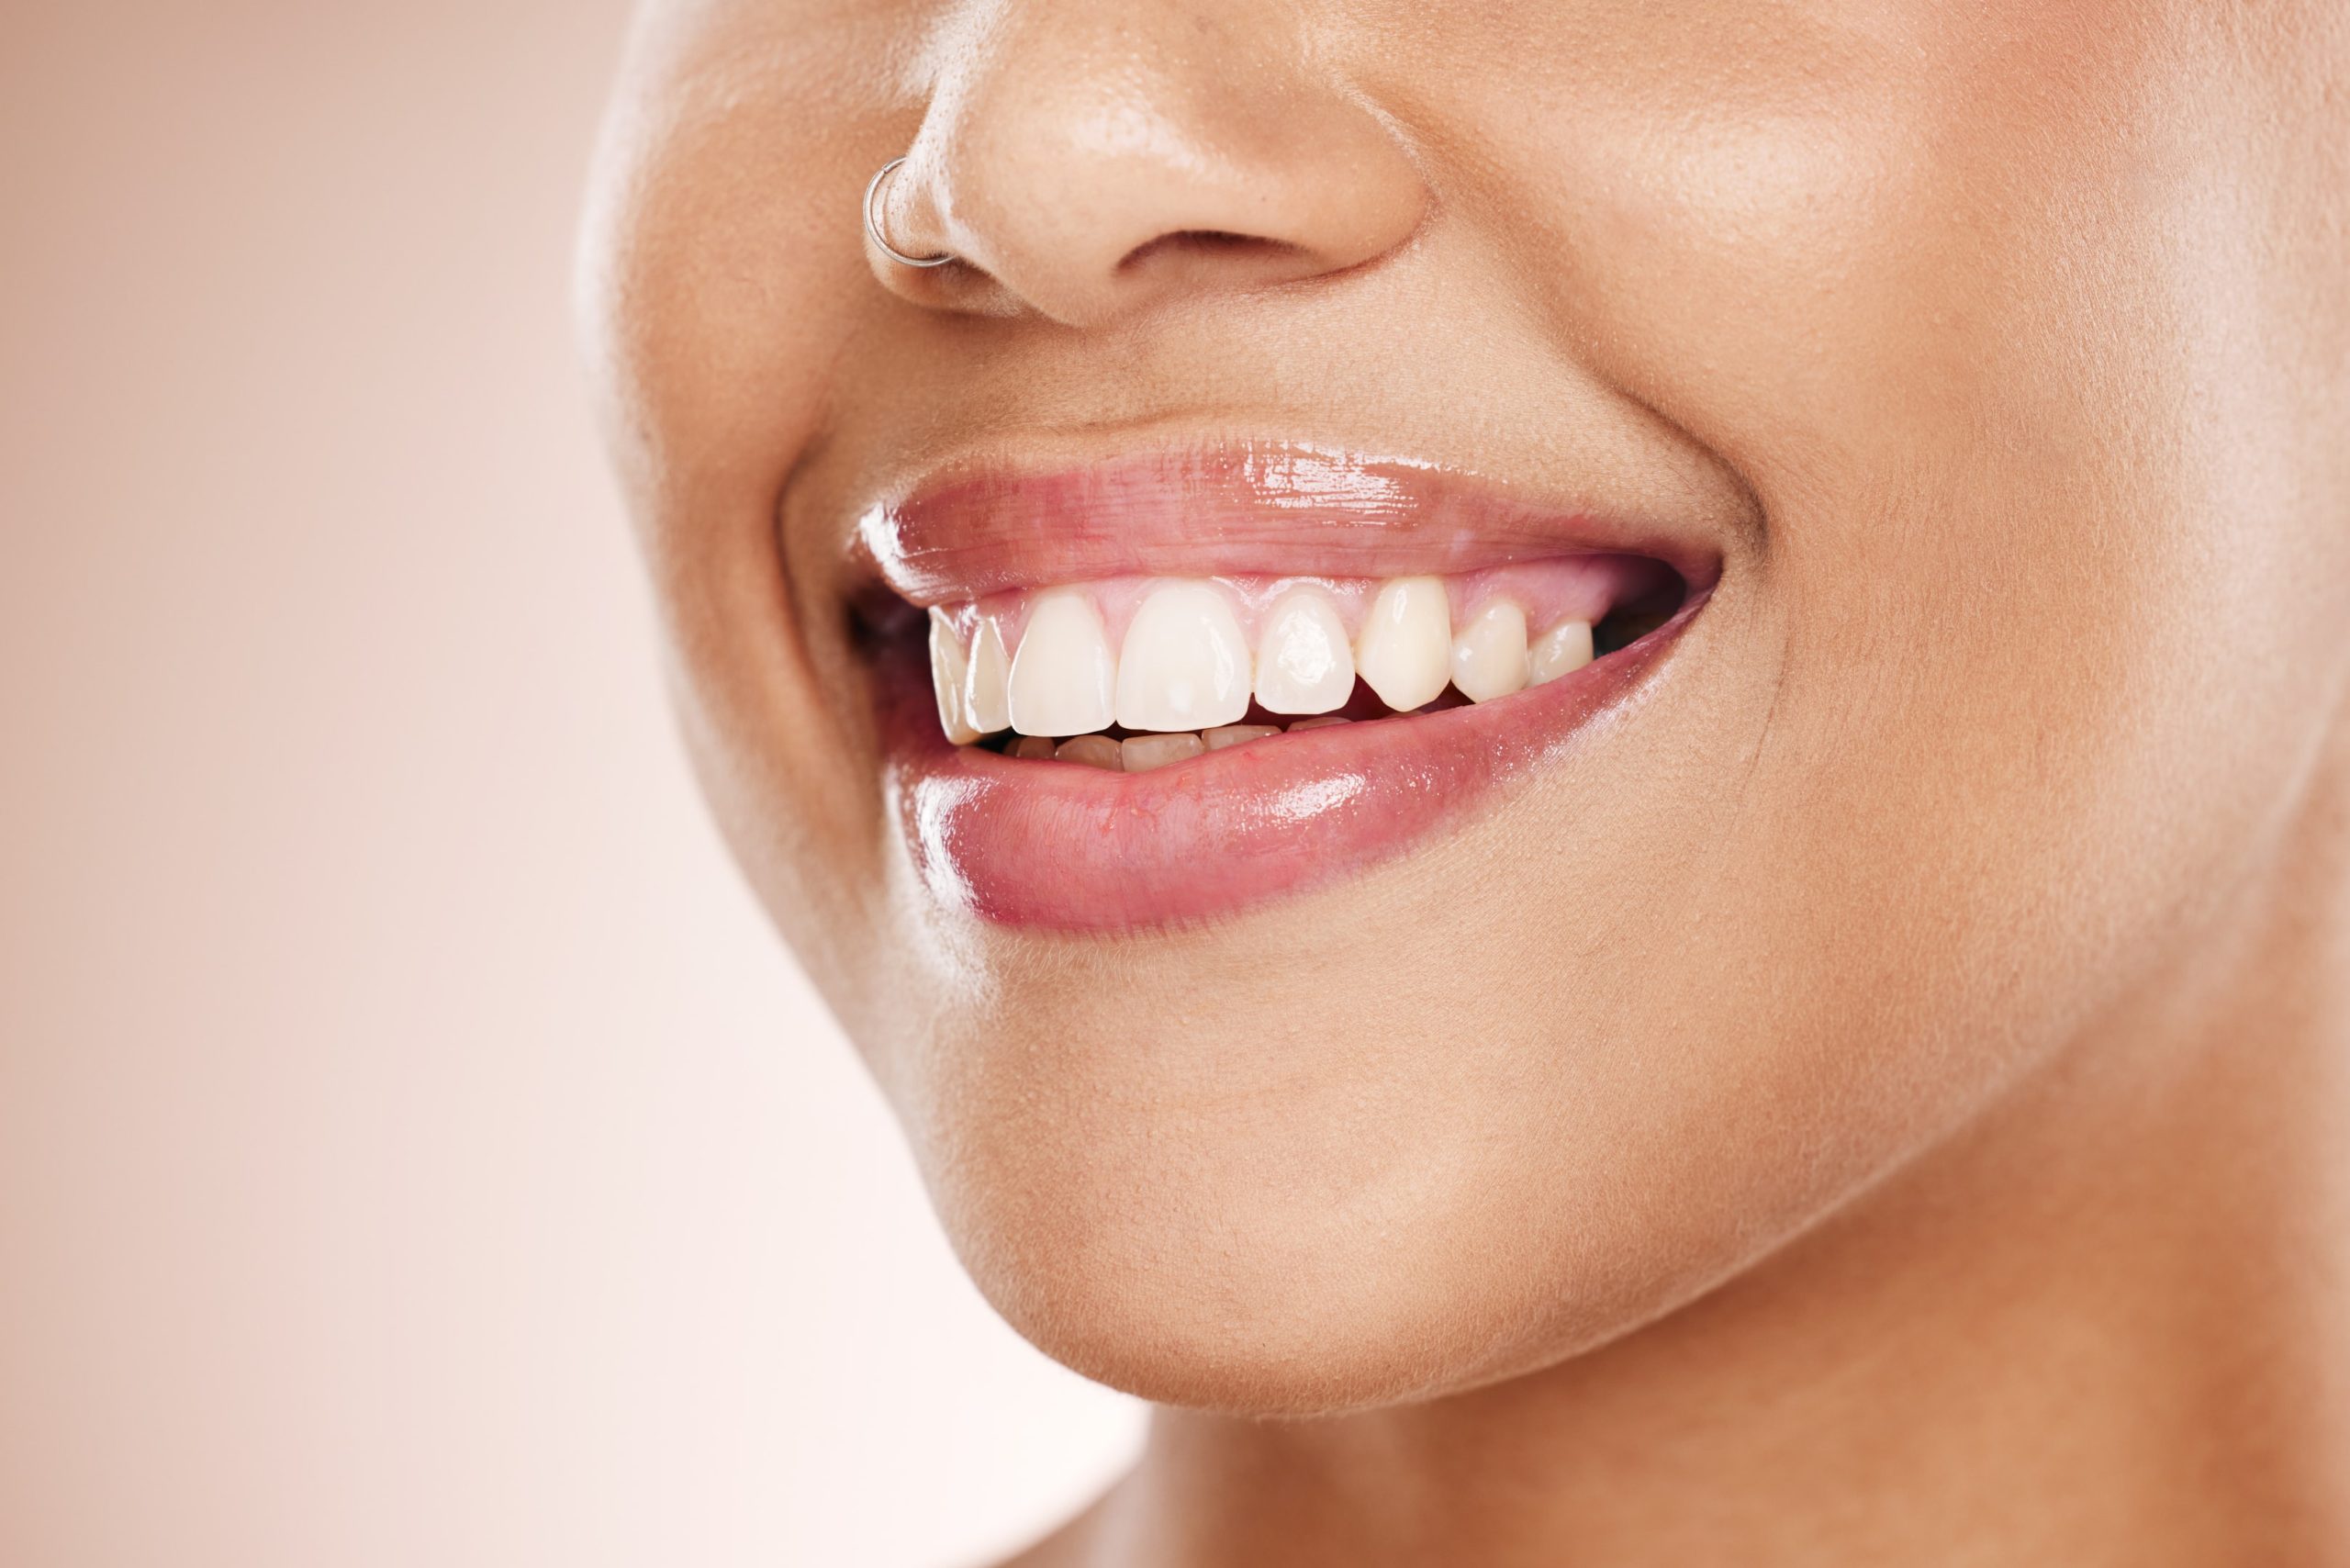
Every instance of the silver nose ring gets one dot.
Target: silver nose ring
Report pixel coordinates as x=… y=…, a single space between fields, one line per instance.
x=872 y=226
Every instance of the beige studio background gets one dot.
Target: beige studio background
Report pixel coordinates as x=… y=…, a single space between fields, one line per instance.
x=413 y=1149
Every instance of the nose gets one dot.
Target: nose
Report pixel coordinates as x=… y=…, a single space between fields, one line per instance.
x=1085 y=160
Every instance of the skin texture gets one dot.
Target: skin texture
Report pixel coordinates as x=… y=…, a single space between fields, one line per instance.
x=1880 y=1102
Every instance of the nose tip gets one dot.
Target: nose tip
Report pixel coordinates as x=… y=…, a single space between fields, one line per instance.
x=1088 y=161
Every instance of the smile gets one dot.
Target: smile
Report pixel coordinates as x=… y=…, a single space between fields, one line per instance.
x=1162 y=689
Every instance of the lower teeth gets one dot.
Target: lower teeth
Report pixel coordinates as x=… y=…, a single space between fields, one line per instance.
x=1141 y=753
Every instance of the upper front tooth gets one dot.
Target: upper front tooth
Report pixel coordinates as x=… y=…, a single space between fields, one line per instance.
x=1405 y=650
x=1562 y=650
x=1063 y=675
x=948 y=665
x=1304 y=665
x=1489 y=656
x=1184 y=664
x=987 y=698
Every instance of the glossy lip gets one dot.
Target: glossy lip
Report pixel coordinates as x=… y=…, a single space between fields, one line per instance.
x=1061 y=846
x=1264 y=509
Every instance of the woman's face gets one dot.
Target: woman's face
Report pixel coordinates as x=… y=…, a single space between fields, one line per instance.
x=1964 y=382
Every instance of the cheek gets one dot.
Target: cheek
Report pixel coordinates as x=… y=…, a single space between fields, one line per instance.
x=1958 y=301
x=716 y=289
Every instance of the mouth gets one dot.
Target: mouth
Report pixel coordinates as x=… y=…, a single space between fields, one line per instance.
x=1163 y=689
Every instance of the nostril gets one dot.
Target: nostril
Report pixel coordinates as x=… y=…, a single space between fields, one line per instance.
x=1207 y=246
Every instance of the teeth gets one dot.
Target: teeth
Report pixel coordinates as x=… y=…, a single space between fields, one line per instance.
x=1185 y=664
x=1489 y=656
x=1304 y=665
x=1405 y=650
x=948 y=665
x=1063 y=675
x=1185 y=681
x=1093 y=751
x=1562 y=650
x=987 y=703
x=1143 y=753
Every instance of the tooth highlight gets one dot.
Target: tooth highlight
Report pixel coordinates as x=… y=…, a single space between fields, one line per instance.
x=986 y=700
x=1184 y=664
x=1304 y=665
x=1562 y=650
x=948 y=665
x=1489 y=656
x=1405 y=651
x=1143 y=753
x=1063 y=675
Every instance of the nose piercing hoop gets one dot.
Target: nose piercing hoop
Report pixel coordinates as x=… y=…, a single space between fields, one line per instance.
x=872 y=226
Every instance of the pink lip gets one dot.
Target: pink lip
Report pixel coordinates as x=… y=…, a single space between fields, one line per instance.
x=1058 y=845
x=1271 y=510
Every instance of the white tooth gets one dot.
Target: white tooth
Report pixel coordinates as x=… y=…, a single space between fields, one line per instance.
x=1063 y=674
x=948 y=664
x=1562 y=650
x=1093 y=751
x=987 y=701
x=1143 y=753
x=1304 y=665
x=1489 y=656
x=1405 y=651
x=1224 y=735
x=1184 y=666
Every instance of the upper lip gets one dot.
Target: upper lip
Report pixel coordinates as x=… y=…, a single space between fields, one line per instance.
x=972 y=528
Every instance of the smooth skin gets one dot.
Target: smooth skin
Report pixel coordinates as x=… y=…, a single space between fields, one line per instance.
x=1883 y=1101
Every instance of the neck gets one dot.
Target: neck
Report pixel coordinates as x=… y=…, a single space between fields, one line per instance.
x=2110 y=1322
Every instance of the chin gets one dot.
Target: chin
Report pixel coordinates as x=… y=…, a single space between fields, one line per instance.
x=1249 y=1279
x=1299 y=1206
x=1189 y=1284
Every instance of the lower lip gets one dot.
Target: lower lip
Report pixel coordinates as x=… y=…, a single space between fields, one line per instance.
x=1063 y=846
